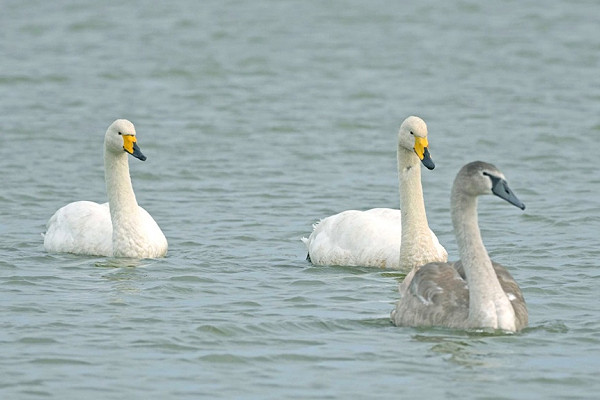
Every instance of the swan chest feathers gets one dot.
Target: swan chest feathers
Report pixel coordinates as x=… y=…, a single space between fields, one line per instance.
x=137 y=236
x=419 y=248
x=495 y=314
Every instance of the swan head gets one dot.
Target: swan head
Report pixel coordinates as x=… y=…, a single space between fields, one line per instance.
x=479 y=178
x=413 y=137
x=120 y=137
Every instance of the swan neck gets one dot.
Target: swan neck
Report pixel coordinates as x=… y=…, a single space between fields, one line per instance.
x=488 y=304
x=415 y=229
x=466 y=228
x=123 y=205
x=118 y=182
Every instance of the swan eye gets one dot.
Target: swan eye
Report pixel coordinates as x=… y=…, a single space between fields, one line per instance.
x=493 y=178
x=120 y=133
x=411 y=132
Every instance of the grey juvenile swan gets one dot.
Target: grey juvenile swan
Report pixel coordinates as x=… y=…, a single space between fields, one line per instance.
x=384 y=237
x=474 y=292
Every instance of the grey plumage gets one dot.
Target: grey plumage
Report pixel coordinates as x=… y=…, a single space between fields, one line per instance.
x=438 y=295
x=474 y=292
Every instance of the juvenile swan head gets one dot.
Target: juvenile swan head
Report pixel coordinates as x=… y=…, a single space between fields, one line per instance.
x=479 y=178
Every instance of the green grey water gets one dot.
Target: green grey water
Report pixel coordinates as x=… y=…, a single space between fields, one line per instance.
x=258 y=119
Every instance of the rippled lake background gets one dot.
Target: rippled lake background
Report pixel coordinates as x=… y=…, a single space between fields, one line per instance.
x=259 y=118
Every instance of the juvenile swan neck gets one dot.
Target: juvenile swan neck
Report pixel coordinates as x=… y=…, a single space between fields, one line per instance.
x=415 y=230
x=488 y=305
x=466 y=228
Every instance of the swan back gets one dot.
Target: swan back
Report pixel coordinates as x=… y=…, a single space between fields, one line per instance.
x=81 y=227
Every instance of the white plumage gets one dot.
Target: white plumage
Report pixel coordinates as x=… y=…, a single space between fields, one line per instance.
x=118 y=228
x=383 y=237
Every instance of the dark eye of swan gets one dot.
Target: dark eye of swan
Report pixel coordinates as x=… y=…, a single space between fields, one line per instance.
x=493 y=178
x=120 y=133
x=411 y=132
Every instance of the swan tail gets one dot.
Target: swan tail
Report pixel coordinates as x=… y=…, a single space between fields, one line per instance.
x=305 y=241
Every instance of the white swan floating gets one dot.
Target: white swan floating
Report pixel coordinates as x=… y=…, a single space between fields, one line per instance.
x=119 y=228
x=384 y=237
x=474 y=292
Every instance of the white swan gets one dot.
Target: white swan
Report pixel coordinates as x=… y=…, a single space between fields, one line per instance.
x=474 y=292
x=383 y=237
x=119 y=228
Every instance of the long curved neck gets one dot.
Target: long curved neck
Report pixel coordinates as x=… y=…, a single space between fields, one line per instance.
x=489 y=307
x=415 y=229
x=124 y=212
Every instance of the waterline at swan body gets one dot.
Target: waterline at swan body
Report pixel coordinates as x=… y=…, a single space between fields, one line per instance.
x=119 y=228
x=474 y=292
x=384 y=237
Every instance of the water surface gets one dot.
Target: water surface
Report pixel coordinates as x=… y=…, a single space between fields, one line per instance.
x=259 y=118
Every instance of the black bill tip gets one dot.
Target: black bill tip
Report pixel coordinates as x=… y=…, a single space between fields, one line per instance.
x=500 y=188
x=427 y=161
x=137 y=153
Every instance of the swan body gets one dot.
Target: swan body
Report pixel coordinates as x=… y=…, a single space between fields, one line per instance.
x=119 y=228
x=474 y=292
x=384 y=237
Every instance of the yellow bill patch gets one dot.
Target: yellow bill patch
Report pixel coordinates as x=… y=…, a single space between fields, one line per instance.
x=420 y=145
x=128 y=141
